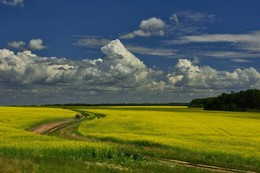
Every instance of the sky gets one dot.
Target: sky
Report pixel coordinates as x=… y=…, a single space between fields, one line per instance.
x=126 y=51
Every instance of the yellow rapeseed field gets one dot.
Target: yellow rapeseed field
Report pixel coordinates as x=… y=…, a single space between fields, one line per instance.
x=211 y=135
x=227 y=139
x=24 y=151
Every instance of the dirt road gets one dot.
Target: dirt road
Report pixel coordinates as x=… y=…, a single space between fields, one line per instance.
x=52 y=126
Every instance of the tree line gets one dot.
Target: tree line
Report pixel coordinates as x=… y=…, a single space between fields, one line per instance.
x=116 y=104
x=248 y=100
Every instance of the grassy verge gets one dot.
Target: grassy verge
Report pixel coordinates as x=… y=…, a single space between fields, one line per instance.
x=29 y=165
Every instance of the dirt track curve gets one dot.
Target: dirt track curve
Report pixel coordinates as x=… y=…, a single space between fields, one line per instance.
x=52 y=126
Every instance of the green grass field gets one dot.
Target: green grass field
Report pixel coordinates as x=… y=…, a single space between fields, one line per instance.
x=122 y=137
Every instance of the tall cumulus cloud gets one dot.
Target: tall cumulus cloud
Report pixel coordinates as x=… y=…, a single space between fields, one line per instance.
x=120 y=69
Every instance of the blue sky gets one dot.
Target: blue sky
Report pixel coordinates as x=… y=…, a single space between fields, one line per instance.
x=181 y=49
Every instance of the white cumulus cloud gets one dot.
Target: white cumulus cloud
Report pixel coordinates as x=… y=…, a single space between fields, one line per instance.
x=34 y=44
x=190 y=76
x=19 y=45
x=150 y=27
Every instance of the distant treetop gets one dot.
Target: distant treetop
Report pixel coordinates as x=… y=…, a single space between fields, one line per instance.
x=248 y=100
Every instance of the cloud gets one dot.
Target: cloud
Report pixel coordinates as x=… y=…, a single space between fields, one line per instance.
x=34 y=44
x=197 y=17
x=230 y=54
x=150 y=27
x=188 y=76
x=195 y=61
x=152 y=24
x=249 y=41
x=91 y=41
x=118 y=77
x=120 y=69
x=211 y=38
x=151 y=51
x=239 y=45
x=238 y=60
x=188 y=22
x=12 y=2
x=174 y=17
x=18 y=45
